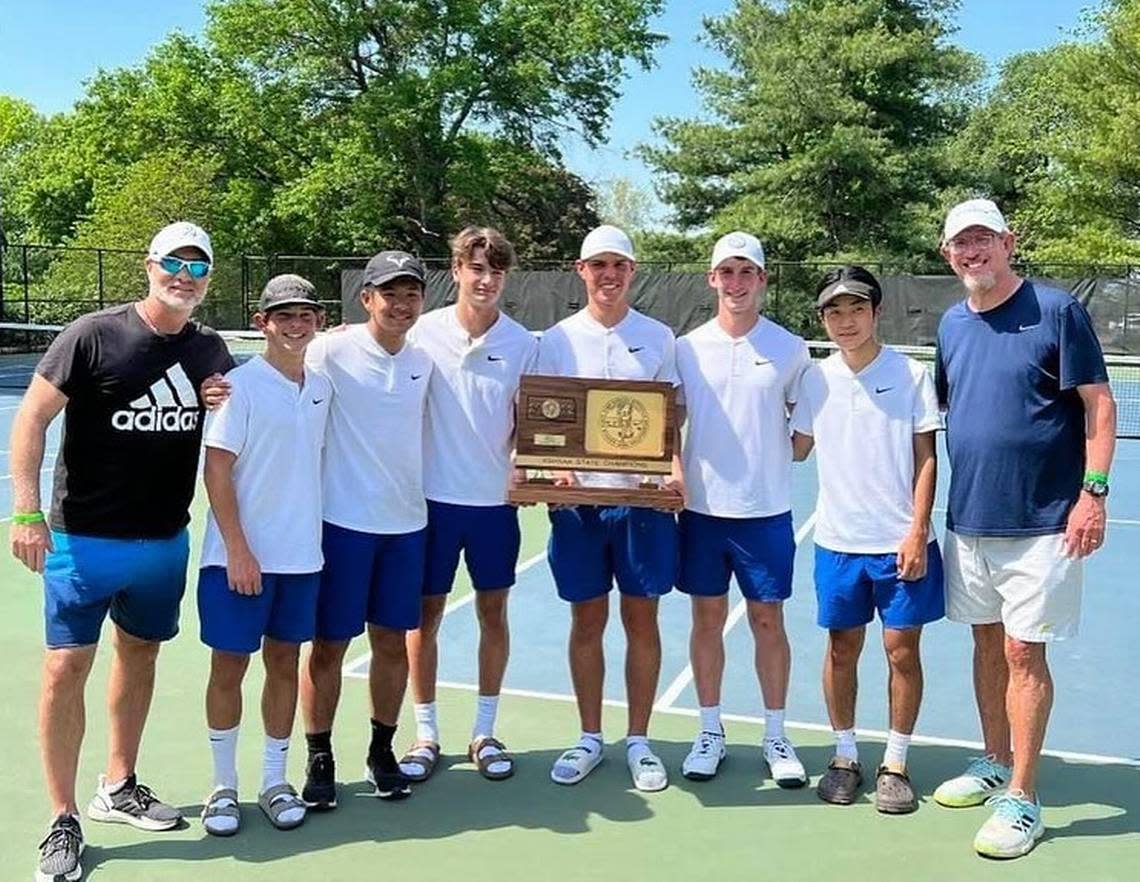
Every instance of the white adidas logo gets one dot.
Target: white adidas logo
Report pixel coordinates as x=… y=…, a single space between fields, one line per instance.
x=170 y=405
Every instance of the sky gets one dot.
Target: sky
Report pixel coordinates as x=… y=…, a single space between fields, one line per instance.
x=49 y=48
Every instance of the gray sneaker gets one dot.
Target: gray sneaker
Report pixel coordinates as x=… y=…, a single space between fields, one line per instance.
x=60 y=851
x=133 y=803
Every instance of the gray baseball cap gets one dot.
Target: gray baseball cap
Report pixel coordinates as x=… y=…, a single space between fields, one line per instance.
x=389 y=265
x=288 y=290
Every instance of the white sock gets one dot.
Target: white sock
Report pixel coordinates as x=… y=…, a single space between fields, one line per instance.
x=223 y=746
x=485 y=712
x=591 y=741
x=273 y=764
x=637 y=746
x=427 y=729
x=710 y=720
x=845 y=744
x=897 y=745
x=774 y=723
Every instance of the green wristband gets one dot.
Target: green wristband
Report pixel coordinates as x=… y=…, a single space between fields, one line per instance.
x=1097 y=477
x=28 y=517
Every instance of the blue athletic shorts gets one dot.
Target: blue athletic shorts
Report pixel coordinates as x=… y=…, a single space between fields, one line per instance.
x=488 y=536
x=850 y=587
x=760 y=552
x=592 y=545
x=369 y=577
x=139 y=581
x=285 y=610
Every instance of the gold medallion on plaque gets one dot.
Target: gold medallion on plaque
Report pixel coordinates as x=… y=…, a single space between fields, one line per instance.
x=619 y=422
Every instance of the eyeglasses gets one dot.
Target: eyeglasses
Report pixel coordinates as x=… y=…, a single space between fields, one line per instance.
x=977 y=240
x=198 y=269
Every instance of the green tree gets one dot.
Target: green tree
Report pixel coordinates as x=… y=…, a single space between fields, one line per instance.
x=827 y=127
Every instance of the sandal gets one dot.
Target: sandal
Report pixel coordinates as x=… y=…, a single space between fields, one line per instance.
x=420 y=761
x=486 y=752
x=648 y=772
x=893 y=793
x=279 y=799
x=221 y=815
x=575 y=764
x=841 y=782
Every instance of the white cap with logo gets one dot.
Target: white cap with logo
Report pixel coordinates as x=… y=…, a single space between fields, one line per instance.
x=973 y=213
x=737 y=244
x=606 y=238
x=180 y=234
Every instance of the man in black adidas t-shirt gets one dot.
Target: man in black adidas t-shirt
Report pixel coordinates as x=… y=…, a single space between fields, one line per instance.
x=126 y=379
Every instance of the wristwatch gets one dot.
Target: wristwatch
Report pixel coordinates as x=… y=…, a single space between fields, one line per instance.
x=1096 y=488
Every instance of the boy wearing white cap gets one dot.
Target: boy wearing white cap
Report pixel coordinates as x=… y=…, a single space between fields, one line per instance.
x=593 y=546
x=126 y=378
x=261 y=560
x=1030 y=432
x=740 y=374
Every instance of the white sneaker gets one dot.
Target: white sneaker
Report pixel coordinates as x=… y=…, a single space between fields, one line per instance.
x=984 y=778
x=785 y=767
x=702 y=762
x=1013 y=829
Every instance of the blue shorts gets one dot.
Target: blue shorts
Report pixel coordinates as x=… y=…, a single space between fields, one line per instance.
x=369 y=577
x=488 y=536
x=760 y=552
x=139 y=581
x=850 y=587
x=592 y=545
x=285 y=610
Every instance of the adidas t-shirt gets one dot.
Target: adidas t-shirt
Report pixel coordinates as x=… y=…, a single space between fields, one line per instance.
x=132 y=425
x=276 y=429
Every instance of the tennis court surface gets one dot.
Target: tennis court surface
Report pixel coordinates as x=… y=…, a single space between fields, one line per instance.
x=738 y=826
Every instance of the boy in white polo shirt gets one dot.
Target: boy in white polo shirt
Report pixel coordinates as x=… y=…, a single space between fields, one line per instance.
x=740 y=373
x=479 y=354
x=871 y=414
x=261 y=559
x=592 y=546
x=375 y=517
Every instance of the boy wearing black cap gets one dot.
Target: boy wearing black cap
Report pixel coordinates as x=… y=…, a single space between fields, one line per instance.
x=871 y=414
x=375 y=518
x=261 y=559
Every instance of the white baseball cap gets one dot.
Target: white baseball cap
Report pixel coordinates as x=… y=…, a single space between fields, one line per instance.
x=180 y=234
x=606 y=238
x=973 y=213
x=737 y=244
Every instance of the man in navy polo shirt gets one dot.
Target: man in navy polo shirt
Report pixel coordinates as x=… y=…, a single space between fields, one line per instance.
x=1030 y=430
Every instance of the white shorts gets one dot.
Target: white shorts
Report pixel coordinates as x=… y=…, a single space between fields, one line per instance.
x=1025 y=582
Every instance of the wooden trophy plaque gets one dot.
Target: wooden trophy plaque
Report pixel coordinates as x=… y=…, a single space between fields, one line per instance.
x=590 y=425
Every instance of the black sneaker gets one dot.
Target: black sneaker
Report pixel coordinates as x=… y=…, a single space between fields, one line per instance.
x=383 y=773
x=133 y=803
x=60 y=851
x=319 y=792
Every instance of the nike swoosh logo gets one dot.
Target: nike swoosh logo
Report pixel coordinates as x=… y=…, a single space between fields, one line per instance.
x=416 y=376
x=494 y=358
x=1027 y=327
x=317 y=400
x=633 y=349
x=763 y=361
x=881 y=390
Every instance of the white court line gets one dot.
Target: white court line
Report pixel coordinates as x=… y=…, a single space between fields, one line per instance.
x=361 y=662
x=933 y=740
x=683 y=679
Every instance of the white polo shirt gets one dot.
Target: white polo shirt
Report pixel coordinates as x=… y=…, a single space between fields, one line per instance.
x=373 y=468
x=864 y=426
x=471 y=405
x=737 y=391
x=276 y=429
x=636 y=348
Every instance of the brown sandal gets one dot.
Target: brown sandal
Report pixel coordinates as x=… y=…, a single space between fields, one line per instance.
x=424 y=756
x=485 y=761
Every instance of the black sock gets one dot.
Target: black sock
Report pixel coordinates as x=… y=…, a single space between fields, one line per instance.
x=381 y=744
x=319 y=742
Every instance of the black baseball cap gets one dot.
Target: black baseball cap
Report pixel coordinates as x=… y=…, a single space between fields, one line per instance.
x=389 y=265
x=288 y=290
x=846 y=286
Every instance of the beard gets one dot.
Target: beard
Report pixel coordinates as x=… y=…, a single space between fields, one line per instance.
x=980 y=283
x=181 y=304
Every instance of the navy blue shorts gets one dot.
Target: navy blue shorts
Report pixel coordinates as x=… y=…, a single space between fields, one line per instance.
x=850 y=587
x=285 y=610
x=591 y=546
x=488 y=536
x=374 y=578
x=760 y=552
x=140 y=582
